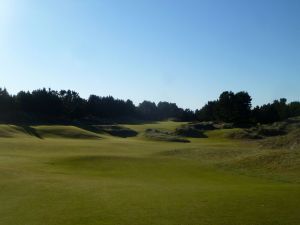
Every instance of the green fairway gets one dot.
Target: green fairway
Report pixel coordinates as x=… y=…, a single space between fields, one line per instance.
x=65 y=175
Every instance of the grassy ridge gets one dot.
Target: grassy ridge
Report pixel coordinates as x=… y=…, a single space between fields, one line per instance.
x=72 y=175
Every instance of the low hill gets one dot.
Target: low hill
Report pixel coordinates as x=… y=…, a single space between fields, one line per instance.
x=57 y=131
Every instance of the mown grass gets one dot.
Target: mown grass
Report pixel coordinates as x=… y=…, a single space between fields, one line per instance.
x=65 y=178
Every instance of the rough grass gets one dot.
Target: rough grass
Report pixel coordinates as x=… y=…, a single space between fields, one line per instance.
x=114 y=130
x=162 y=135
x=284 y=135
x=58 y=180
x=53 y=131
x=289 y=141
x=187 y=131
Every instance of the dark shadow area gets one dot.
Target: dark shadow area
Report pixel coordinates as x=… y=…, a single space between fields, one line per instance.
x=113 y=130
x=190 y=132
x=31 y=131
x=162 y=135
x=203 y=126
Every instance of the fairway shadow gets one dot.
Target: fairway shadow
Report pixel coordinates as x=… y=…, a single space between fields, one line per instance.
x=113 y=130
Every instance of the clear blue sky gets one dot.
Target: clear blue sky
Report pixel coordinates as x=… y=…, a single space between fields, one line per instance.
x=184 y=51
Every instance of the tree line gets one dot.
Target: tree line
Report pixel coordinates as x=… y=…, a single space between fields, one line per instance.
x=237 y=108
x=47 y=105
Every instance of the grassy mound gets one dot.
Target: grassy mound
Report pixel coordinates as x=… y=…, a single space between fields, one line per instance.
x=258 y=132
x=289 y=141
x=9 y=131
x=269 y=131
x=161 y=135
x=187 y=131
x=280 y=164
x=244 y=134
x=207 y=126
x=64 y=132
x=203 y=126
x=285 y=134
x=114 y=130
x=270 y=160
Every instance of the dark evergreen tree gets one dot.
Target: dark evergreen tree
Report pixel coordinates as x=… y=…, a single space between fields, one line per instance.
x=74 y=107
x=167 y=110
x=208 y=112
x=6 y=106
x=148 y=110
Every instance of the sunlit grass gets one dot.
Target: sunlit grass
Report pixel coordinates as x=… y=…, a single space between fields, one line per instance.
x=64 y=178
